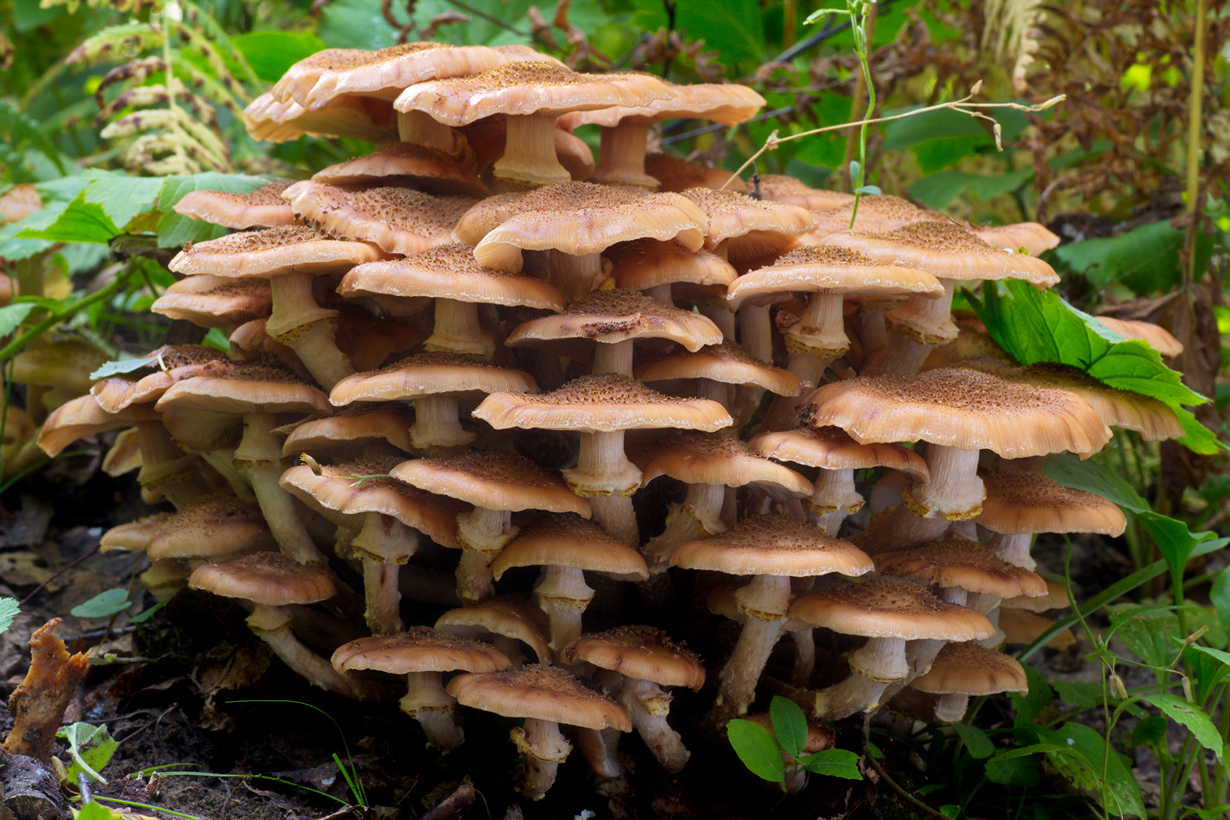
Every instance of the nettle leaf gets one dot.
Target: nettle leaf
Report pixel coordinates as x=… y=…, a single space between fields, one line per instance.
x=758 y=749
x=81 y=221
x=118 y=368
x=9 y=607
x=1039 y=326
x=789 y=724
x=122 y=197
x=103 y=605
x=1189 y=716
x=841 y=763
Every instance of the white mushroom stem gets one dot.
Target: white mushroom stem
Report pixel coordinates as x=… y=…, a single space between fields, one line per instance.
x=165 y=467
x=613 y=358
x=697 y=517
x=383 y=544
x=764 y=601
x=648 y=705
x=804 y=657
x=223 y=461
x=899 y=528
x=308 y=329
x=951 y=708
x=722 y=316
x=903 y=354
x=919 y=655
x=576 y=276
x=259 y=457
x=607 y=477
x=1013 y=549
x=458 y=330
x=482 y=534
x=616 y=515
x=833 y=500
x=954 y=491
x=437 y=425
x=621 y=155
x=419 y=128
x=428 y=703
x=544 y=747
x=272 y=625
x=529 y=152
x=563 y=594
x=881 y=657
x=598 y=746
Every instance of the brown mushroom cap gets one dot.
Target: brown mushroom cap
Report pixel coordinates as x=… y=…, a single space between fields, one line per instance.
x=273 y=252
x=832 y=448
x=494 y=480
x=715 y=458
x=213 y=525
x=262 y=208
x=506 y=615
x=648 y=263
x=953 y=561
x=772 y=545
x=353 y=426
x=676 y=174
x=268 y=578
x=640 y=652
x=172 y=364
x=542 y=692
x=727 y=362
x=427 y=169
x=569 y=541
x=727 y=103
x=428 y=374
x=959 y=408
x=734 y=215
x=214 y=301
x=1031 y=503
x=1157 y=336
x=361 y=118
x=612 y=316
x=788 y=190
x=889 y=608
x=84 y=417
x=419 y=649
x=966 y=668
x=600 y=404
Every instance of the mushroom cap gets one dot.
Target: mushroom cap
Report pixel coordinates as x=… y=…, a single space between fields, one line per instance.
x=830 y=269
x=542 y=692
x=733 y=214
x=352 y=426
x=569 y=541
x=602 y=403
x=1031 y=237
x=268 y=578
x=716 y=458
x=363 y=486
x=361 y=118
x=84 y=417
x=173 y=364
x=398 y=220
x=262 y=208
x=947 y=250
x=832 y=448
x=450 y=272
x=419 y=649
x=506 y=615
x=772 y=544
x=790 y=191
x=1157 y=336
x=966 y=668
x=727 y=103
x=959 y=408
x=640 y=652
x=525 y=88
x=273 y=252
x=953 y=561
x=134 y=535
x=426 y=168
x=726 y=362
x=1056 y=597
x=1021 y=502
x=215 y=301
x=487 y=215
x=648 y=263
x=891 y=608
x=581 y=218
x=212 y=525
x=493 y=480
x=205 y=412
x=428 y=374
x=57 y=360
x=877 y=213
x=676 y=174
x=612 y=316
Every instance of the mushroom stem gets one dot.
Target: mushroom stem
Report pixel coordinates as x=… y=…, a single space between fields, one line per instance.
x=598 y=746
x=563 y=594
x=698 y=516
x=614 y=358
x=1013 y=549
x=436 y=424
x=529 y=159
x=899 y=528
x=616 y=515
x=544 y=747
x=457 y=330
x=648 y=705
x=272 y=625
x=954 y=491
x=576 y=276
x=419 y=128
x=482 y=533
x=384 y=544
x=259 y=457
x=602 y=467
x=621 y=155
x=165 y=467
x=302 y=325
x=428 y=703
x=764 y=601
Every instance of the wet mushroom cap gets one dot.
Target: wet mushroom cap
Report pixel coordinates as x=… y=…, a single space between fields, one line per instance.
x=772 y=544
x=1032 y=503
x=727 y=362
x=890 y=608
x=640 y=652
x=428 y=169
x=213 y=525
x=418 y=649
x=214 y=301
x=542 y=692
x=428 y=374
x=268 y=578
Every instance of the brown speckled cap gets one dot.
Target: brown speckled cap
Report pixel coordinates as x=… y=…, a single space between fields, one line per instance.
x=488 y=214
x=790 y=191
x=967 y=668
x=716 y=458
x=727 y=103
x=398 y=220
x=494 y=480
x=268 y=578
x=569 y=541
x=890 y=608
x=1157 y=336
x=759 y=228
x=428 y=374
x=600 y=404
x=83 y=416
x=214 y=301
x=1031 y=503
x=506 y=615
x=953 y=561
x=772 y=545
x=832 y=448
x=640 y=652
x=213 y=525
x=959 y=408
x=419 y=649
x=427 y=169
x=647 y=263
x=262 y=208
x=542 y=692
x=830 y=269
x=272 y=252
x=363 y=118
x=174 y=363
x=612 y=316
x=728 y=363
x=351 y=428
x=876 y=214
x=678 y=175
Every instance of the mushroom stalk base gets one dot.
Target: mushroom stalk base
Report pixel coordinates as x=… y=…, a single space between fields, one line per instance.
x=272 y=625
x=259 y=457
x=544 y=748
x=648 y=705
x=428 y=703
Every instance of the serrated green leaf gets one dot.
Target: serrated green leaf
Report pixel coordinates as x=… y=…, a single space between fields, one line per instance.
x=11 y=316
x=271 y=53
x=789 y=724
x=175 y=230
x=976 y=741
x=1145 y=259
x=90 y=747
x=1190 y=717
x=104 y=604
x=123 y=366
x=80 y=221
x=1080 y=754
x=122 y=197
x=9 y=607
x=841 y=763
x=758 y=749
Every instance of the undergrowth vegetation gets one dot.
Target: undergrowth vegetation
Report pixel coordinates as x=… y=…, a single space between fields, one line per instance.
x=113 y=111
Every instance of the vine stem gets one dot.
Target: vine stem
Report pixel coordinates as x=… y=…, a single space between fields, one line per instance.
x=59 y=316
x=1193 y=139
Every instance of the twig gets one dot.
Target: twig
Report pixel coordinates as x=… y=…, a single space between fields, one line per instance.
x=495 y=20
x=56 y=575
x=909 y=798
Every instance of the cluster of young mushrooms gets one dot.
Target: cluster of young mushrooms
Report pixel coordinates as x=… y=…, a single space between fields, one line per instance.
x=477 y=349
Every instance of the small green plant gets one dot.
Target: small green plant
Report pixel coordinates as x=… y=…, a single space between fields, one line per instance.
x=779 y=756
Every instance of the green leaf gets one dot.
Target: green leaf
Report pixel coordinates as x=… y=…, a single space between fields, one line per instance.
x=939 y=190
x=271 y=53
x=142 y=617
x=733 y=28
x=90 y=747
x=1024 y=771
x=9 y=607
x=976 y=741
x=1080 y=753
x=841 y=763
x=123 y=366
x=1150 y=733
x=758 y=749
x=175 y=230
x=789 y=724
x=1029 y=705
x=97 y=811
x=1219 y=595
x=1078 y=694
x=1207 y=670
x=1146 y=631
x=122 y=197
x=11 y=316
x=354 y=24
x=1190 y=717
x=81 y=221
x=104 y=604
x=1146 y=259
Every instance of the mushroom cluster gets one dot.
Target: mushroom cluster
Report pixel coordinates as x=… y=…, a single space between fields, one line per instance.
x=456 y=335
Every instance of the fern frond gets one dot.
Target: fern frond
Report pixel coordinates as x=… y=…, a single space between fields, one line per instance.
x=116 y=43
